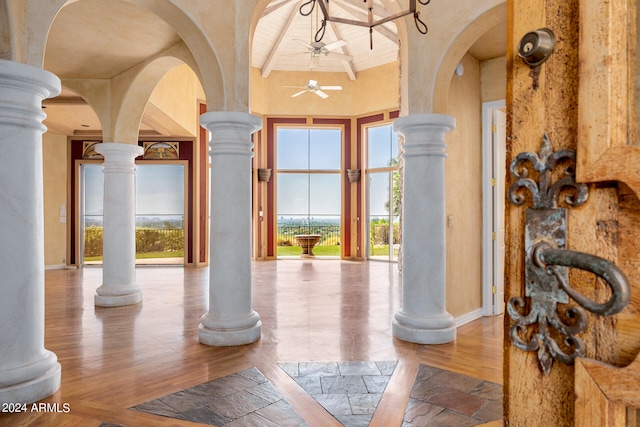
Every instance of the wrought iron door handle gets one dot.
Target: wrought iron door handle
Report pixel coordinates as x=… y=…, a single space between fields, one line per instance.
x=549 y=257
x=547 y=324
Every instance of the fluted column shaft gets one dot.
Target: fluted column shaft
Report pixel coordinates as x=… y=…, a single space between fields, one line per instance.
x=119 y=227
x=423 y=317
x=28 y=371
x=230 y=319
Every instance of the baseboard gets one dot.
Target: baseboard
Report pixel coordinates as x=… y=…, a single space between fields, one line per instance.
x=469 y=317
x=61 y=267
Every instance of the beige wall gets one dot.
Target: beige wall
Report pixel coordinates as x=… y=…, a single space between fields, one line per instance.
x=464 y=193
x=173 y=102
x=493 y=79
x=375 y=89
x=55 y=197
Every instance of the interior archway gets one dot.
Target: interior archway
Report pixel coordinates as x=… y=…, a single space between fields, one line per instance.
x=492 y=20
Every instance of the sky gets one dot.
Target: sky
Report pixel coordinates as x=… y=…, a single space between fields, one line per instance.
x=301 y=149
x=159 y=189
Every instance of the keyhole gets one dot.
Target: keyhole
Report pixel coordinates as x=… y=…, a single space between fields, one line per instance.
x=528 y=47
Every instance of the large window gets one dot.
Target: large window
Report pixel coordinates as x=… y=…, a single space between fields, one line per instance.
x=383 y=193
x=308 y=188
x=159 y=213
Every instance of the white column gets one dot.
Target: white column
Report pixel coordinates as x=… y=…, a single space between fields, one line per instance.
x=230 y=319
x=119 y=227
x=423 y=318
x=28 y=371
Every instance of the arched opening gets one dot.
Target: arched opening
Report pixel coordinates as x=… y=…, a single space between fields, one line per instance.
x=300 y=85
x=473 y=75
x=145 y=89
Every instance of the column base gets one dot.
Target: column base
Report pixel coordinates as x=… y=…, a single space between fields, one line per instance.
x=230 y=337
x=436 y=330
x=117 y=300
x=33 y=390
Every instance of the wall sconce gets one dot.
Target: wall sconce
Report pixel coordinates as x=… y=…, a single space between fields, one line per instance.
x=353 y=175
x=264 y=175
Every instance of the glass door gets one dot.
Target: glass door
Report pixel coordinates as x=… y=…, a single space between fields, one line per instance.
x=383 y=193
x=91 y=199
x=308 y=191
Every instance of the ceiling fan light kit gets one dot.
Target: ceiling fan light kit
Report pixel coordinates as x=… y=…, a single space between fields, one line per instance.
x=319 y=48
x=371 y=22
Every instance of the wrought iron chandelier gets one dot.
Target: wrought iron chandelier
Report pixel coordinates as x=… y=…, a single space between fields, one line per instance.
x=307 y=8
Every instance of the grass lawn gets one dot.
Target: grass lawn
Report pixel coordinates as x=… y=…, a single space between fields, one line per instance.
x=317 y=251
x=146 y=255
x=382 y=250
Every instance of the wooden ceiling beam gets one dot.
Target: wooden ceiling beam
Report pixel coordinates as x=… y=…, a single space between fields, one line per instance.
x=270 y=9
x=348 y=64
x=284 y=32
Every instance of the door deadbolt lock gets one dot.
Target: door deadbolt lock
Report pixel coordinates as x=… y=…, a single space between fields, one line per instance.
x=536 y=46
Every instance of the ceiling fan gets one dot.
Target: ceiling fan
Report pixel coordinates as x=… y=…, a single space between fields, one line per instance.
x=312 y=86
x=319 y=48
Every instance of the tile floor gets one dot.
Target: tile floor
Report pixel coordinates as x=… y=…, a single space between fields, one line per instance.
x=444 y=398
x=243 y=399
x=349 y=391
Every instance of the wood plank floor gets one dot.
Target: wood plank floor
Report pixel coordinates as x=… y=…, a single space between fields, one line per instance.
x=311 y=310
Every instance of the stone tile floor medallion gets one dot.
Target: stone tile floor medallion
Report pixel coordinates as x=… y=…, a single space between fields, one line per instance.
x=350 y=391
x=243 y=399
x=443 y=398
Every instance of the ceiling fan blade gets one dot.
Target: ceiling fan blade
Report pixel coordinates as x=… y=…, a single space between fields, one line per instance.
x=340 y=55
x=335 y=45
x=305 y=44
x=299 y=93
x=330 y=87
x=321 y=94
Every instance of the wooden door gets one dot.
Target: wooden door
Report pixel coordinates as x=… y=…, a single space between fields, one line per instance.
x=583 y=98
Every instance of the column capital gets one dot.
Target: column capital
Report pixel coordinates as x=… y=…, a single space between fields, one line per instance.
x=212 y=120
x=119 y=158
x=29 y=78
x=424 y=133
x=118 y=152
x=23 y=89
x=229 y=131
x=441 y=123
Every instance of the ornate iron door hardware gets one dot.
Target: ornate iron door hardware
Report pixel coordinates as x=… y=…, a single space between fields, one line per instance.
x=547 y=261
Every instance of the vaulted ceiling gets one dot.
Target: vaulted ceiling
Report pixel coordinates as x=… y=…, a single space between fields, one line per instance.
x=100 y=39
x=283 y=31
